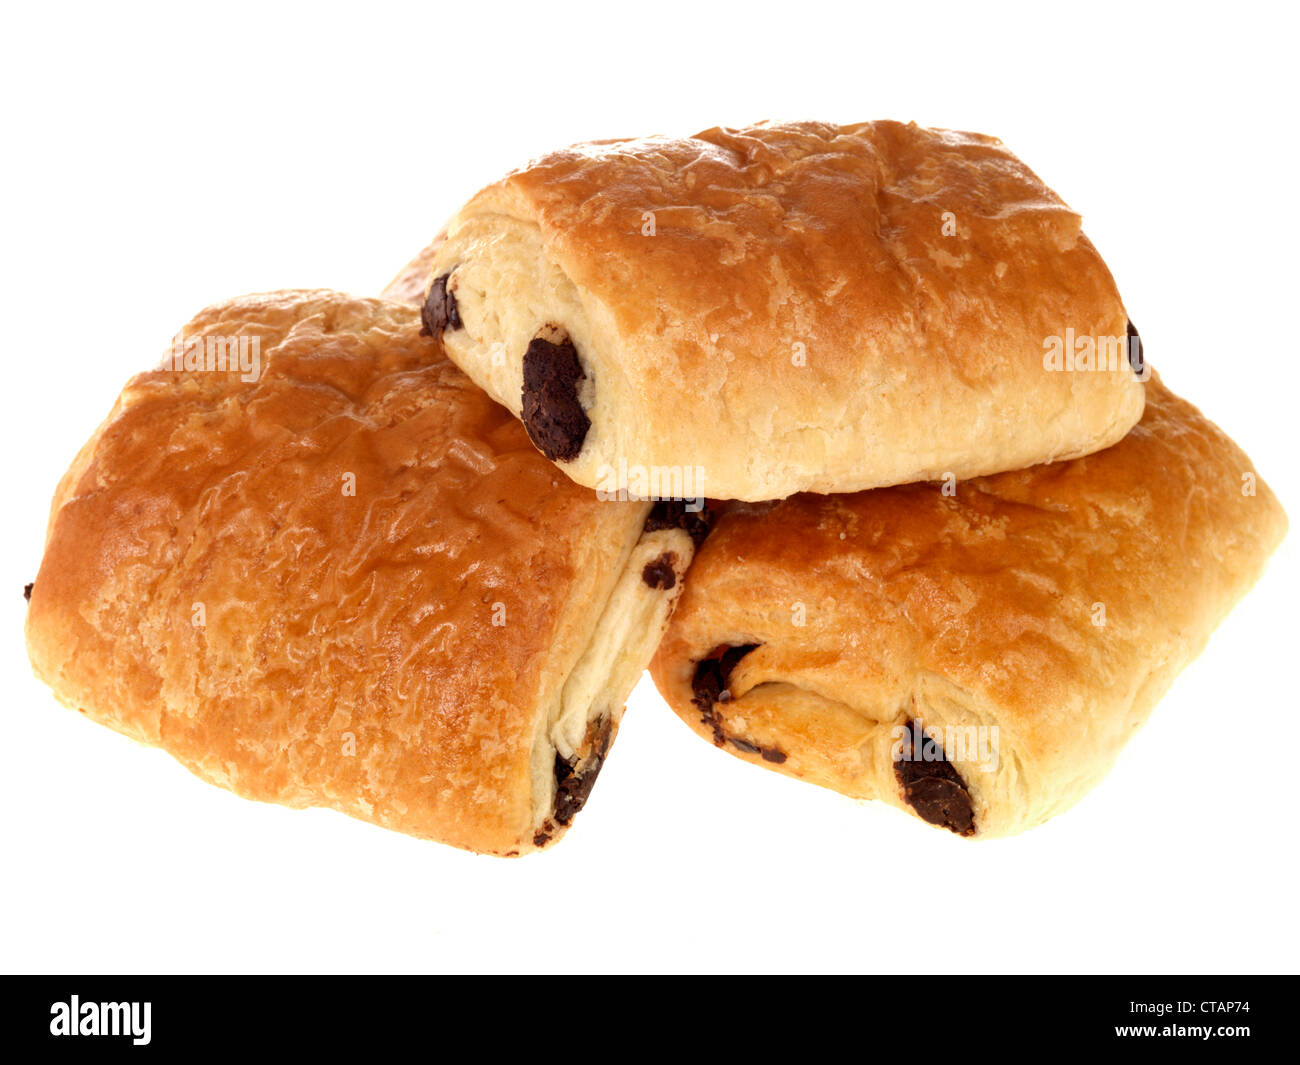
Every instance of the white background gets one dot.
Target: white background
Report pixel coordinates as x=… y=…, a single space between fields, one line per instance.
x=157 y=161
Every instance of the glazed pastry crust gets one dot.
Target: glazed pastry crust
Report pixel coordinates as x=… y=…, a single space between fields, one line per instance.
x=405 y=653
x=800 y=295
x=977 y=609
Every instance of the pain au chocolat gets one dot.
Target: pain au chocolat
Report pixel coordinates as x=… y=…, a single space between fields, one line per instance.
x=344 y=577
x=976 y=653
x=785 y=308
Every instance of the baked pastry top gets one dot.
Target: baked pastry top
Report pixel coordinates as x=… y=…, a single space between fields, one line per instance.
x=1020 y=627
x=344 y=577
x=788 y=307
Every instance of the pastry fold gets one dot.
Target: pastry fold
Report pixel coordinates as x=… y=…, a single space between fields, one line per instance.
x=975 y=653
x=347 y=579
x=784 y=308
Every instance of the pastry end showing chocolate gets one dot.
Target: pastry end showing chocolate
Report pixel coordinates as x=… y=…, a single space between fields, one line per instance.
x=27 y=591
x=712 y=674
x=672 y=514
x=574 y=780
x=932 y=786
x=552 y=412
x=709 y=685
x=440 y=311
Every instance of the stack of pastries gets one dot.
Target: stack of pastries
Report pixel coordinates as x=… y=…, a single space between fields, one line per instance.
x=843 y=431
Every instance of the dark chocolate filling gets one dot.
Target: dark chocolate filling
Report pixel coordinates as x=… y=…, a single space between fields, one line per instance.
x=672 y=514
x=1136 y=360
x=552 y=413
x=574 y=780
x=932 y=786
x=661 y=572
x=440 y=311
x=768 y=754
x=27 y=591
x=574 y=784
x=711 y=676
x=709 y=685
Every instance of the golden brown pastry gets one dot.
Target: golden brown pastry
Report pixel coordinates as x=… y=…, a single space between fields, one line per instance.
x=783 y=308
x=977 y=653
x=337 y=574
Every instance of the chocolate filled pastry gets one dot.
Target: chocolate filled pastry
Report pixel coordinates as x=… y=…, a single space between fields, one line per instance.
x=310 y=559
x=976 y=653
x=784 y=308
